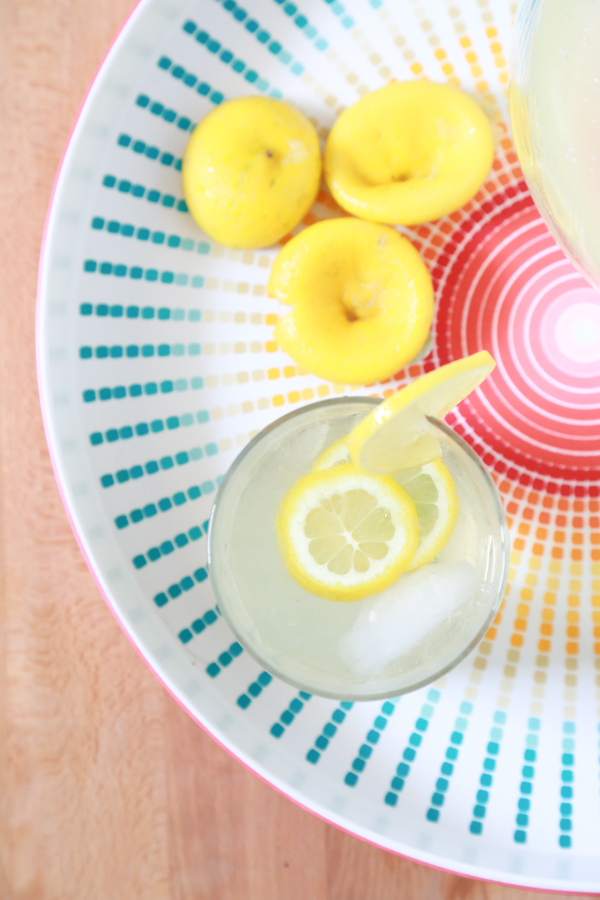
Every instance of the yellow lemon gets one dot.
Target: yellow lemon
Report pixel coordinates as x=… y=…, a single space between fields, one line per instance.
x=345 y=534
x=251 y=171
x=361 y=298
x=430 y=487
x=409 y=153
x=397 y=435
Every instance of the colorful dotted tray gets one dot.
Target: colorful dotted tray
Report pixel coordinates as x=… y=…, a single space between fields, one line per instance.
x=157 y=364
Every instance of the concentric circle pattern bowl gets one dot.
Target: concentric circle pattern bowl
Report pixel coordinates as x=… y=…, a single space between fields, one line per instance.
x=157 y=365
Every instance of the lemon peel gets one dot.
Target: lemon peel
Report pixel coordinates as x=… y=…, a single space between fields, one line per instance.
x=410 y=152
x=432 y=490
x=335 y=455
x=397 y=435
x=344 y=534
x=430 y=487
x=251 y=171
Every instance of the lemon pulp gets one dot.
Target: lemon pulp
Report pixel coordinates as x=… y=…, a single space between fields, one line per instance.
x=345 y=534
x=430 y=487
x=432 y=490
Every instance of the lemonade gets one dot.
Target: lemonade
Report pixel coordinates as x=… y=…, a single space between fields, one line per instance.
x=554 y=105
x=382 y=645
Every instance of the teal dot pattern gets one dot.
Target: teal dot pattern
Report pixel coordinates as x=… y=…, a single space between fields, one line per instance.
x=136 y=390
x=226 y=56
x=153 y=466
x=151 y=152
x=289 y=715
x=261 y=35
x=567 y=777
x=164 y=505
x=224 y=659
x=119 y=270
x=411 y=750
x=489 y=766
x=526 y=786
x=124 y=186
x=452 y=754
x=168 y=115
x=174 y=241
x=143 y=429
x=199 y=625
x=339 y=10
x=254 y=689
x=328 y=732
x=167 y=547
x=302 y=22
x=190 y=80
x=176 y=589
x=365 y=751
x=161 y=313
x=132 y=351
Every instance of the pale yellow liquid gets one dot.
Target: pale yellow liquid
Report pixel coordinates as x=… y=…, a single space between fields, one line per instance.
x=301 y=637
x=555 y=113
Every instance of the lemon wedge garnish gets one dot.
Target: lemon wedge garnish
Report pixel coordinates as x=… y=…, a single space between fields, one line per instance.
x=397 y=435
x=336 y=454
x=430 y=487
x=432 y=490
x=345 y=534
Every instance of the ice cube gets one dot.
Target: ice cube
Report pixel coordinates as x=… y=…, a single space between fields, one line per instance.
x=303 y=450
x=393 y=622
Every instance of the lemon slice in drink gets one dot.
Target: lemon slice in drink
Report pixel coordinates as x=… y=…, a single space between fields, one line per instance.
x=430 y=487
x=432 y=490
x=396 y=435
x=345 y=534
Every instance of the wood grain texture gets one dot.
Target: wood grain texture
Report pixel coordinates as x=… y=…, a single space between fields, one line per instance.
x=108 y=790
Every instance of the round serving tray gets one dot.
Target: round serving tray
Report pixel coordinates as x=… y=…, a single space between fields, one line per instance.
x=157 y=365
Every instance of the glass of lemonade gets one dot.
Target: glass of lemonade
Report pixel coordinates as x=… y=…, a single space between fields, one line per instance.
x=386 y=644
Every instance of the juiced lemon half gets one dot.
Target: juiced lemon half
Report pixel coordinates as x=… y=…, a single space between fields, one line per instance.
x=251 y=171
x=409 y=153
x=345 y=534
x=361 y=300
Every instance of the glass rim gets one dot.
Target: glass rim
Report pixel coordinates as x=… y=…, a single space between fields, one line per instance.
x=504 y=534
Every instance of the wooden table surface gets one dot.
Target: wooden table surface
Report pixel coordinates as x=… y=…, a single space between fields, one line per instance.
x=108 y=789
